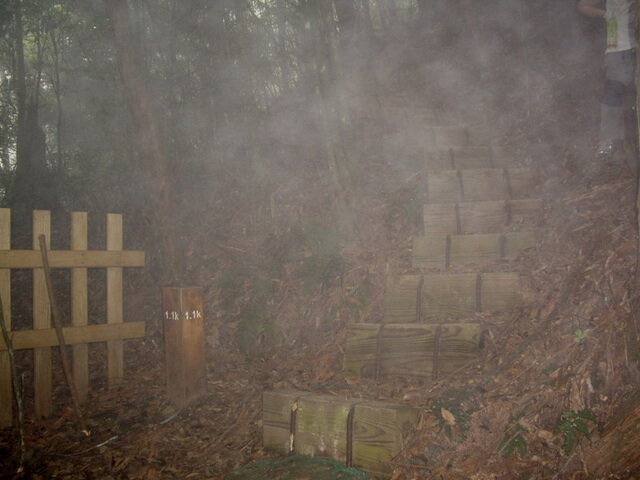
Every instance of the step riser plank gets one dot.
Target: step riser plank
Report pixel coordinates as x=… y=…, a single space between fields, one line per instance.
x=479 y=184
x=415 y=350
x=439 y=252
x=479 y=217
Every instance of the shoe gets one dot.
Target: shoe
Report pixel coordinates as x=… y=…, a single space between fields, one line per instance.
x=607 y=148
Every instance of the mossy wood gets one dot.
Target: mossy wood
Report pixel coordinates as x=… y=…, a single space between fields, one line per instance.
x=361 y=349
x=449 y=295
x=443 y=187
x=378 y=430
x=409 y=350
x=443 y=251
x=277 y=410
x=402 y=298
x=479 y=217
x=445 y=295
x=484 y=184
x=356 y=432
x=322 y=424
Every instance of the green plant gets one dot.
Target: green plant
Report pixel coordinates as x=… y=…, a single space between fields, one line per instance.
x=513 y=439
x=580 y=335
x=573 y=426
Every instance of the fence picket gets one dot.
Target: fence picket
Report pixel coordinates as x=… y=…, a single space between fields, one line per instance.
x=115 y=348
x=79 y=305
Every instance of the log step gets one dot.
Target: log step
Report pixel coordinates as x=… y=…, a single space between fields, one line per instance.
x=356 y=432
x=413 y=298
x=479 y=217
x=462 y=157
x=444 y=251
x=437 y=138
x=409 y=350
x=480 y=184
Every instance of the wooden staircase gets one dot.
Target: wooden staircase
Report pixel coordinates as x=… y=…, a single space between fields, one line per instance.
x=480 y=209
x=480 y=212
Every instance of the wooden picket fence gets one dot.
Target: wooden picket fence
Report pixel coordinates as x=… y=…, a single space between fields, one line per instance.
x=42 y=337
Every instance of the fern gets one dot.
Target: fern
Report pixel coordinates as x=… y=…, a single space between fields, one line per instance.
x=513 y=439
x=573 y=426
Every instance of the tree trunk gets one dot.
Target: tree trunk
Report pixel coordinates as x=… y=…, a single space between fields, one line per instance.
x=32 y=186
x=152 y=154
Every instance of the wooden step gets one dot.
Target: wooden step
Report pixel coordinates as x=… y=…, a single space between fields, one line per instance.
x=480 y=184
x=461 y=157
x=480 y=217
x=426 y=351
x=413 y=298
x=455 y=295
x=444 y=251
x=359 y=433
x=402 y=298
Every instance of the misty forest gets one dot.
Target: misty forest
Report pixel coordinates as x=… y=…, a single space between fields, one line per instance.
x=313 y=239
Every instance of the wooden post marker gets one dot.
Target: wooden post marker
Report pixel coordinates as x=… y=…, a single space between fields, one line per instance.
x=183 y=320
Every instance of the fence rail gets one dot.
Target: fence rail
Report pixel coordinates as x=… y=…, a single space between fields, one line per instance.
x=42 y=337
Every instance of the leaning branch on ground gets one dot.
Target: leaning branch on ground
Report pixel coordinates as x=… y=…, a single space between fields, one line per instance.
x=17 y=390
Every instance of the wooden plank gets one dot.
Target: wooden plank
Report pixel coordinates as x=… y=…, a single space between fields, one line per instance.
x=482 y=217
x=429 y=251
x=471 y=157
x=436 y=160
x=6 y=388
x=470 y=249
x=516 y=242
x=437 y=137
x=71 y=259
x=407 y=350
x=402 y=299
x=440 y=219
x=41 y=319
x=322 y=426
x=80 y=305
x=183 y=322
x=277 y=409
x=448 y=295
x=484 y=184
x=378 y=430
x=500 y=291
x=526 y=211
x=523 y=182
x=361 y=349
x=459 y=343
x=115 y=363
x=443 y=187
x=44 y=338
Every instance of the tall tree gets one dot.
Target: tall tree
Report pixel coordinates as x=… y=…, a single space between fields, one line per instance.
x=32 y=185
x=151 y=150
